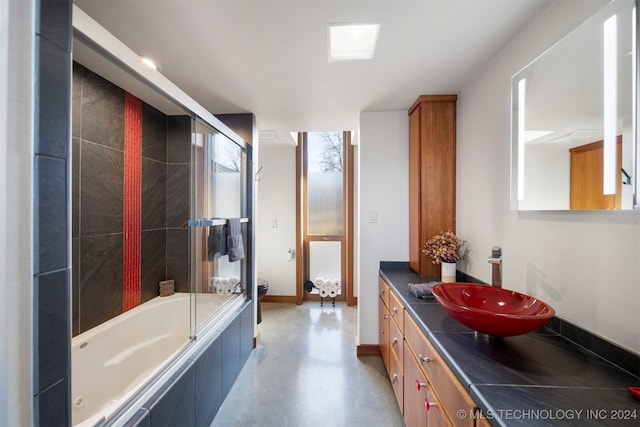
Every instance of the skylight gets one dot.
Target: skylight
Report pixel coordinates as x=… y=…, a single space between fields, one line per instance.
x=352 y=41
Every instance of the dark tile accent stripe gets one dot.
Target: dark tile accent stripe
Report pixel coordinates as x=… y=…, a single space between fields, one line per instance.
x=132 y=201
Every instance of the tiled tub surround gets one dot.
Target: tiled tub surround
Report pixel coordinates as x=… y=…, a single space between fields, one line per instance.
x=98 y=183
x=541 y=378
x=51 y=198
x=125 y=352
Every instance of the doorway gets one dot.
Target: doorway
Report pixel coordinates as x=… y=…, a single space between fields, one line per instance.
x=324 y=186
x=587 y=180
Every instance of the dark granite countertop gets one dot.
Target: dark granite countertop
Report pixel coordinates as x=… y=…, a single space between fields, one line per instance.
x=540 y=378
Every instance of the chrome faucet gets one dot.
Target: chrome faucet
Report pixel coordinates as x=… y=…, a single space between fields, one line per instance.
x=496 y=268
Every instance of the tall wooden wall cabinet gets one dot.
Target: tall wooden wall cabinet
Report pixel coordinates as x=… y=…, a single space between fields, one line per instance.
x=432 y=175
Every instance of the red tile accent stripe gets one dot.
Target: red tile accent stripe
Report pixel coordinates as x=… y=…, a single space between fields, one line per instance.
x=132 y=201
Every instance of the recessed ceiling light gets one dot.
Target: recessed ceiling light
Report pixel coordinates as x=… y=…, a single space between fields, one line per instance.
x=352 y=41
x=149 y=63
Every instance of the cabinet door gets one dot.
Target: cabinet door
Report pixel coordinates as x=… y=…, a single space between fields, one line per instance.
x=415 y=413
x=383 y=291
x=446 y=386
x=415 y=238
x=396 y=341
x=383 y=332
x=432 y=175
x=436 y=415
x=396 y=311
x=397 y=380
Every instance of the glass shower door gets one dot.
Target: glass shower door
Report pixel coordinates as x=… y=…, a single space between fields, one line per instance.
x=219 y=189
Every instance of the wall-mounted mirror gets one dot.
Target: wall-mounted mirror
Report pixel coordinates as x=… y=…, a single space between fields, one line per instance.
x=574 y=119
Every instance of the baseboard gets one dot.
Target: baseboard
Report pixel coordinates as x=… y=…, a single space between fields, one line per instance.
x=287 y=299
x=364 y=350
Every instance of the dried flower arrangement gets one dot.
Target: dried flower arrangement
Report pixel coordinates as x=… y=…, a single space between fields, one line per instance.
x=443 y=247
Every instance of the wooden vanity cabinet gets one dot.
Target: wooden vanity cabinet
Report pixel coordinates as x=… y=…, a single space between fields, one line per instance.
x=420 y=404
x=383 y=321
x=415 y=413
x=451 y=397
x=391 y=337
x=411 y=359
x=396 y=311
x=396 y=375
x=432 y=175
x=396 y=347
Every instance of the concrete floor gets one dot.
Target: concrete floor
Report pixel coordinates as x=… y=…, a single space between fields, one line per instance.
x=305 y=373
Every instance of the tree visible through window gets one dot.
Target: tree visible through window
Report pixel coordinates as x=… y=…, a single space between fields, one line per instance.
x=332 y=156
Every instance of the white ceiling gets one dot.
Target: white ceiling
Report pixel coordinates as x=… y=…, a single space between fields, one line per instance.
x=269 y=57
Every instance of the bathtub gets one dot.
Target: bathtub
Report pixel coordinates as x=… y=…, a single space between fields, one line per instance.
x=113 y=361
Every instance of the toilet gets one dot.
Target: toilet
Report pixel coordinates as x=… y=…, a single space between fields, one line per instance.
x=263 y=287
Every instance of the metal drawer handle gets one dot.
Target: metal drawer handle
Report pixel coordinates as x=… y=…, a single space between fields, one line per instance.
x=395 y=342
x=420 y=386
x=395 y=379
x=395 y=312
x=385 y=316
x=428 y=405
x=382 y=292
x=423 y=359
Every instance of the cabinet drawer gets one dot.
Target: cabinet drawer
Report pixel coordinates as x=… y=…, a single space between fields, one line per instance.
x=396 y=311
x=396 y=340
x=450 y=392
x=415 y=413
x=383 y=332
x=436 y=415
x=383 y=291
x=482 y=422
x=397 y=380
x=416 y=340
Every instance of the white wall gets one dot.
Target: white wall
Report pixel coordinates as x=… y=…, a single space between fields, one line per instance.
x=277 y=201
x=383 y=186
x=585 y=264
x=17 y=35
x=547 y=178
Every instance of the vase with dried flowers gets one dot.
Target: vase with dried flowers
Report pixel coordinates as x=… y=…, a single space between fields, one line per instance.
x=444 y=249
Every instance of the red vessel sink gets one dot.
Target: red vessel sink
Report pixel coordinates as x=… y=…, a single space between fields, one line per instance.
x=492 y=311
